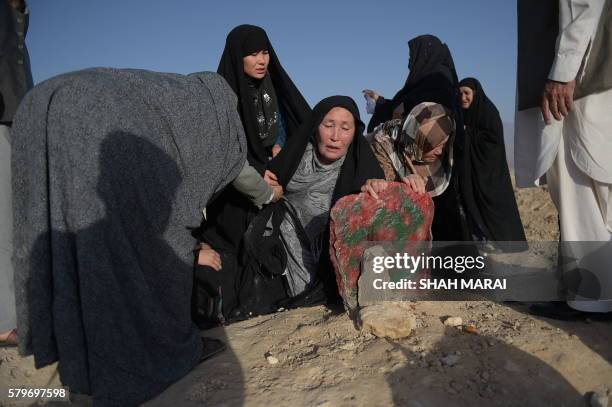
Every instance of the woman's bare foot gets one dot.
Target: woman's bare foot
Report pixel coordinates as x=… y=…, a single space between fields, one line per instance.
x=8 y=338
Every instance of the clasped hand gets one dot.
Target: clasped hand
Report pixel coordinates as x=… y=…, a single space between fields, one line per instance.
x=272 y=180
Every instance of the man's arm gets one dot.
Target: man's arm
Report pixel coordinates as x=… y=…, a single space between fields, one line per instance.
x=577 y=24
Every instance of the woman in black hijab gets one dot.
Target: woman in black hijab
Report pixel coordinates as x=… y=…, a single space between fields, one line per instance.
x=313 y=186
x=327 y=160
x=432 y=78
x=271 y=109
x=269 y=104
x=489 y=184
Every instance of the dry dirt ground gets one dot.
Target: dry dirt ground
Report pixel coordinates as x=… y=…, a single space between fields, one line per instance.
x=315 y=356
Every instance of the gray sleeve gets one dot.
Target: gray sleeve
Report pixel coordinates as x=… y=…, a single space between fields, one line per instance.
x=253 y=186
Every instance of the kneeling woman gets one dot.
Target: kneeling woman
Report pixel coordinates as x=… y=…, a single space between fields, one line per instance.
x=328 y=160
x=418 y=151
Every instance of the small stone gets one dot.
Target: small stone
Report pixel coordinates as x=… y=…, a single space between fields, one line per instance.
x=271 y=359
x=28 y=373
x=470 y=329
x=423 y=364
x=281 y=309
x=453 y=321
x=450 y=360
x=485 y=376
x=599 y=399
x=390 y=320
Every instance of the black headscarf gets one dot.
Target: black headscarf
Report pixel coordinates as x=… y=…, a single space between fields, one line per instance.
x=489 y=186
x=359 y=164
x=243 y=41
x=432 y=78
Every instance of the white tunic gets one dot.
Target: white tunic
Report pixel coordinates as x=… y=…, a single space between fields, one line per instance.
x=537 y=144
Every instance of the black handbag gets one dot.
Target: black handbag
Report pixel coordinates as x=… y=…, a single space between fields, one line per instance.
x=262 y=285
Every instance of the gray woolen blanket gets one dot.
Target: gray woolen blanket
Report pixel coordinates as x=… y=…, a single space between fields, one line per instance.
x=110 y=167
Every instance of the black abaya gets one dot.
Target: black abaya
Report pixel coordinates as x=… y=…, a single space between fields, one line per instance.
x=489 y=184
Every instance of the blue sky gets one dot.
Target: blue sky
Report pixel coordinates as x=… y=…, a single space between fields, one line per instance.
x=327 y=47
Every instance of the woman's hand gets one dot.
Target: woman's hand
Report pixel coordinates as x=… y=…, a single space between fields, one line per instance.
x=275 y=150
x=207 y=256
x=278 y=193
x=371 y=93
x=374 y=186
x=271 y=179
x=415 y=182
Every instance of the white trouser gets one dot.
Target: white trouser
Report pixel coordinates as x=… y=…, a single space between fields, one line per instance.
x=584 y=207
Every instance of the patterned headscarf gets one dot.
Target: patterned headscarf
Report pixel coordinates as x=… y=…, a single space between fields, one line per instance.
x=400 y=147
